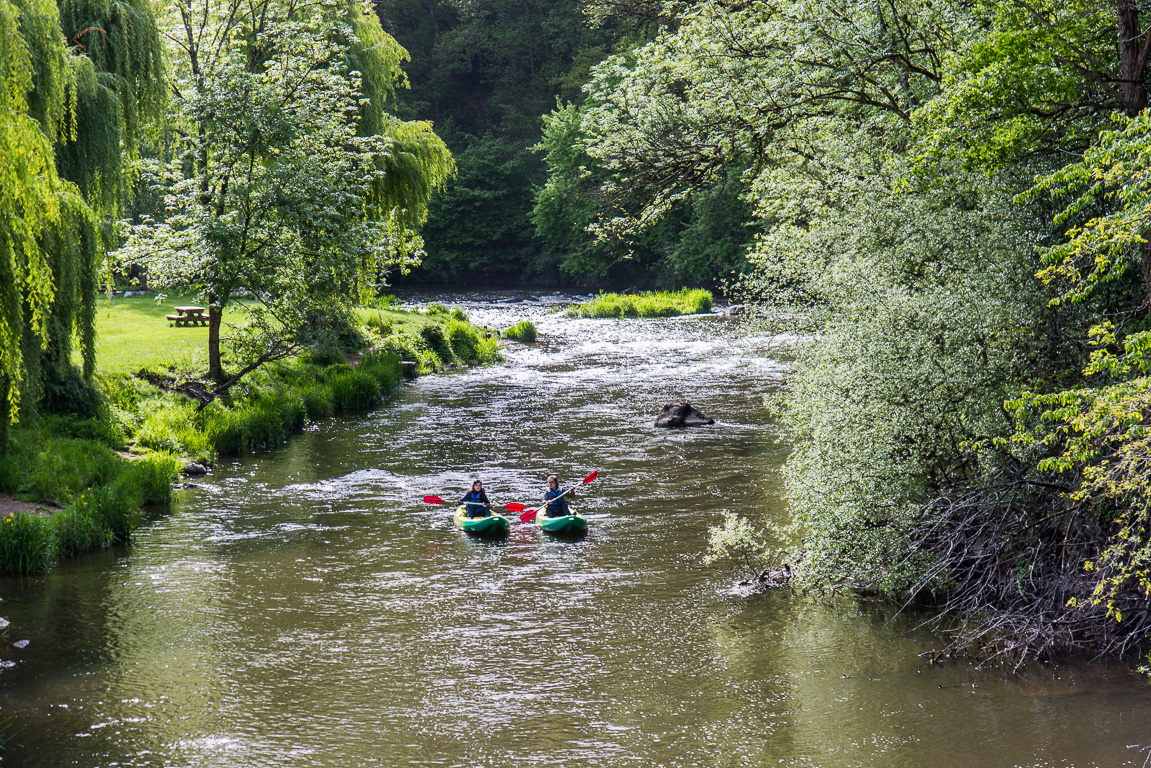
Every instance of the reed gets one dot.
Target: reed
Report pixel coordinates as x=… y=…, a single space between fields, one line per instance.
x=99 y=493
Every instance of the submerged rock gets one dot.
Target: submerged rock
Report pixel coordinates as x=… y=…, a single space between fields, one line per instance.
x=192 y=468
x=682 y=415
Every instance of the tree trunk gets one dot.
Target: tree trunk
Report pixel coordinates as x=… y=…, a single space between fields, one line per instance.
x=215 y=369
x=1134 y=45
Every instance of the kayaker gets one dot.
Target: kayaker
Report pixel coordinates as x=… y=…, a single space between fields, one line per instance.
x=557 y=498
x=476 y=502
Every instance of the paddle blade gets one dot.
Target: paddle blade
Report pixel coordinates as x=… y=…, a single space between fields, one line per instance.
x=433 y=500
x=530 y=515
x=591 y=477
x=514 y=507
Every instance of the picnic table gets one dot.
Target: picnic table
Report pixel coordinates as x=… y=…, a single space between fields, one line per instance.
x=188 y=316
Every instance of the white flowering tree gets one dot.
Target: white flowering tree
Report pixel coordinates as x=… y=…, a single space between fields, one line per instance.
x=273 y=185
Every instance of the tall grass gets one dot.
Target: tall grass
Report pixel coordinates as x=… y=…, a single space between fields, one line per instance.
x=100 y=495
x=524 y=330
x=662 y=304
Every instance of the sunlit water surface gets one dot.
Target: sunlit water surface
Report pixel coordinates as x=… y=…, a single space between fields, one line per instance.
x=304 y=608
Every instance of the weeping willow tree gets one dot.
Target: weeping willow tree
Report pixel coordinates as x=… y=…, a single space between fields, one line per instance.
x=29 y=191
x=288 y=180
x=79 y=85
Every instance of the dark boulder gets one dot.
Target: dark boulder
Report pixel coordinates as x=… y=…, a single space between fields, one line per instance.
x=682 y=415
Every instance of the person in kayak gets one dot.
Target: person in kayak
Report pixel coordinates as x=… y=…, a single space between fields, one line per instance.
x=557 y=498
x=476 y=502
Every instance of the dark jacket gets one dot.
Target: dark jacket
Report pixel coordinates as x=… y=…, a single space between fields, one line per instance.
x=477 y=504
x=557 y=502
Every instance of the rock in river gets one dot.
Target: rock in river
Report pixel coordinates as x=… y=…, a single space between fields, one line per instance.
x=682 y=415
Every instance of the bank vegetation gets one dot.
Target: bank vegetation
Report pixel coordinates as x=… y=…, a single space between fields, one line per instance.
x=951 y=206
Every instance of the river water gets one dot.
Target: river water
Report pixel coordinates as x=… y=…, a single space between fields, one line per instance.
x=304 y=608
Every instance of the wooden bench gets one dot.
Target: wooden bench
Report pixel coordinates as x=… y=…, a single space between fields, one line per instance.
x=188 y=316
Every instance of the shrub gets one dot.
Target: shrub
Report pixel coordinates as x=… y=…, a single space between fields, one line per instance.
x=433 y=336
x=436 y=308
x=524 y=330
x=407 y=345
x=66 y=391
x=463 y=340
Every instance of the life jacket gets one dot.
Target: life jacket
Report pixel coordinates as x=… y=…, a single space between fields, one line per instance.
x=474 y=501
x=558 y=507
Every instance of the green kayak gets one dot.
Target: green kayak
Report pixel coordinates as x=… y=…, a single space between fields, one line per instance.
x=492 y=525
x=569 y=524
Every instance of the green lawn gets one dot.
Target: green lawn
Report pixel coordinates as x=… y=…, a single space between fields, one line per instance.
x=132 y=334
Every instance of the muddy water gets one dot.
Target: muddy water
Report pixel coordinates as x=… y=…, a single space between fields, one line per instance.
x=304 y=608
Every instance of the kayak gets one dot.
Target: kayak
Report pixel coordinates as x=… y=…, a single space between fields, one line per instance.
x=568 y=524
x=492 y=525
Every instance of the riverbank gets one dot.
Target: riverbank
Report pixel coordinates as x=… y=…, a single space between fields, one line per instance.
x=144 y=418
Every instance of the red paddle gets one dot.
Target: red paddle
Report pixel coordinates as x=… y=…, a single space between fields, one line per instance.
x=513 y=507
x=530 y=515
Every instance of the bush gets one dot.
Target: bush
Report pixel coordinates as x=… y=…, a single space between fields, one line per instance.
x=433 y=336
x=102 y=495
x=524 y=330
x=459 y=314
x=436 y=308
x=66 y=391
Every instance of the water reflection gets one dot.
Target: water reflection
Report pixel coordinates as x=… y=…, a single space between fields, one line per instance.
x=303 y=608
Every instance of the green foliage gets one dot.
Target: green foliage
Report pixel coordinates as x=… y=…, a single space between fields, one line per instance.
x=30 y=190
x=1099 y=439
x=738 y=539
x=285 y=176
x=1110 y=203
x=485 y=72
x=524 y=330
x=661 y=304
x=325 y=355
x=100 y=493
x=353 y=390
x=172 y=425
x=478 y=227
x=78 y=83
x=435 y=339
x=260 y=423
x=26 y=543
x=1020 y=83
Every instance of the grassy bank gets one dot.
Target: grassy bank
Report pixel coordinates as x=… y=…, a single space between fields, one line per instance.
x=88 y=475
x=662 y=304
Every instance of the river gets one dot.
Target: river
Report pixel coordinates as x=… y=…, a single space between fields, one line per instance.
x=303 y=607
